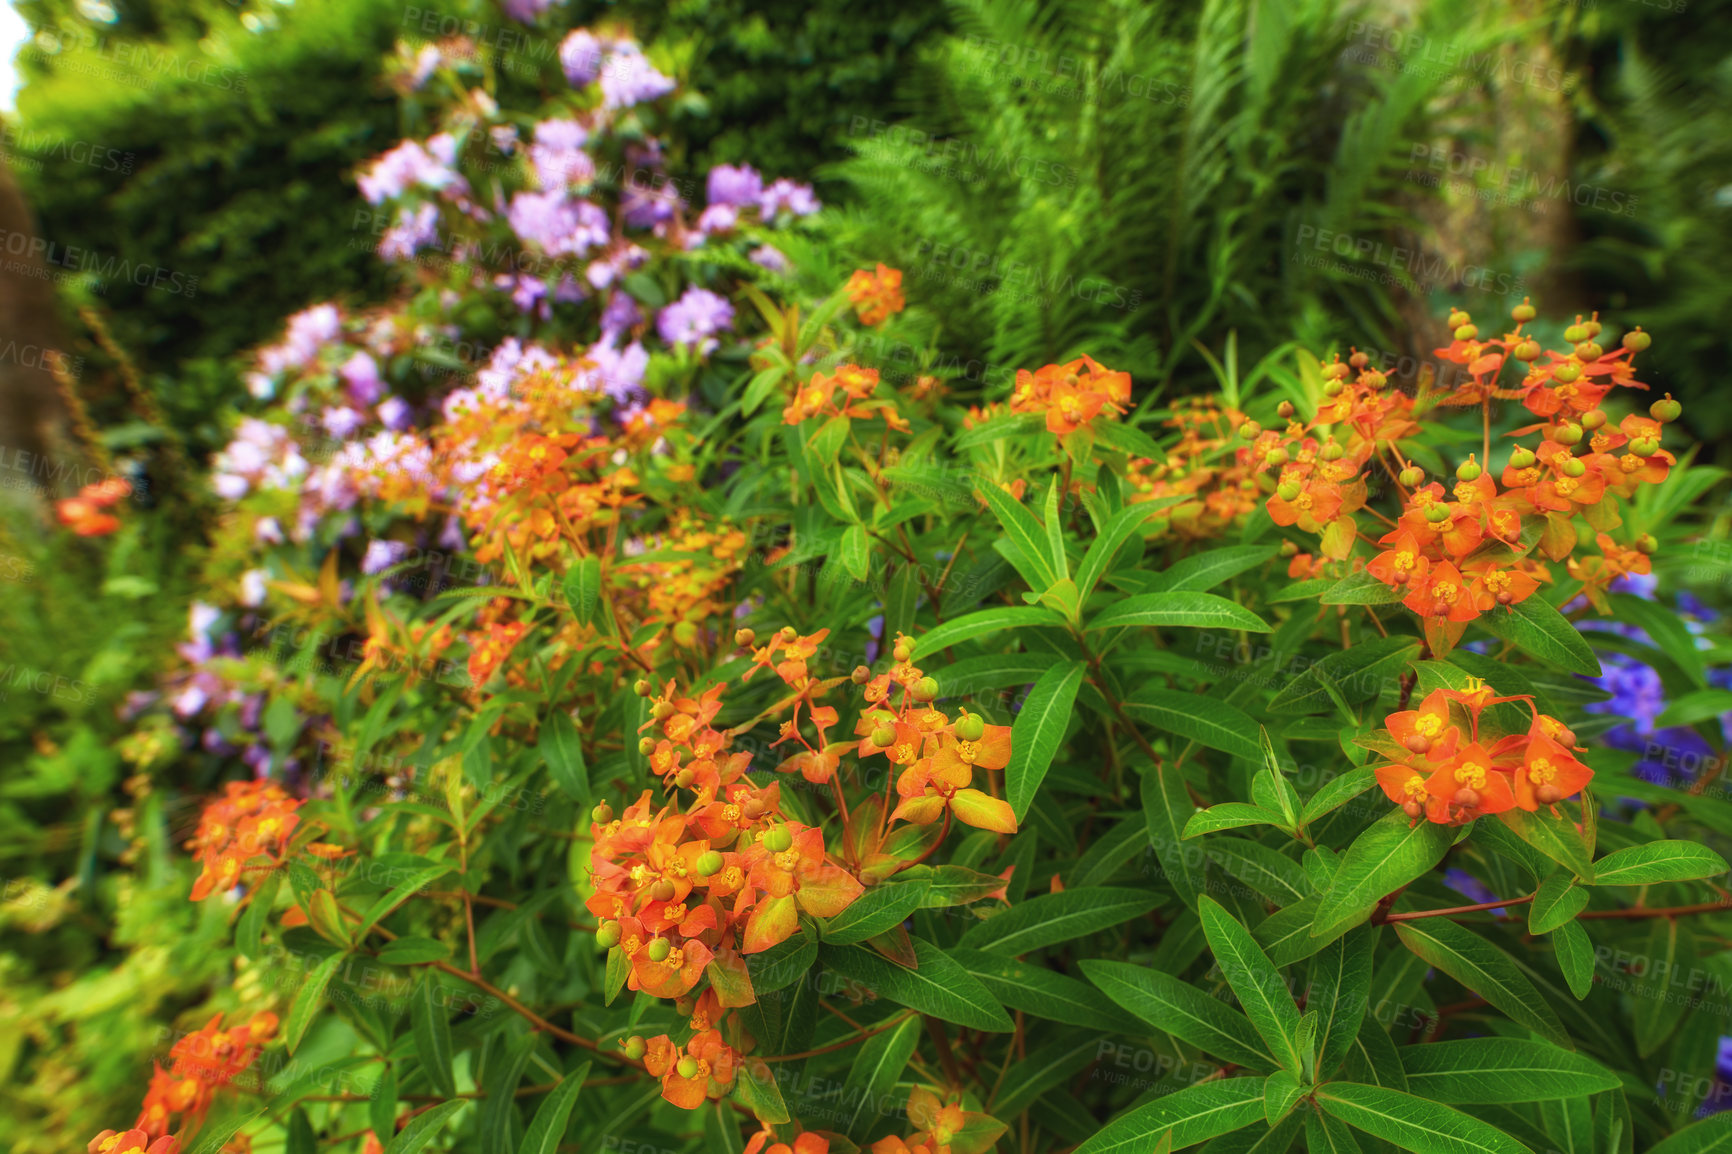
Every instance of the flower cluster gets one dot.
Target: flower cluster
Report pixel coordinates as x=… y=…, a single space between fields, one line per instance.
x=1451 y=776
x=253 y=819
x=131 y=1142
x=1072 y=394
x=86 y=514
x=819 y=397
x=1216 y=490
x=877 y=295
x=202 y=1061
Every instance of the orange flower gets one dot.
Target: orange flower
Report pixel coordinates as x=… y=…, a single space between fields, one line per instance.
x=876 y=295
x=1443 y=594
x=1549 y=772
x=131 y=1142
x=1472 y=783
x=1402 y=564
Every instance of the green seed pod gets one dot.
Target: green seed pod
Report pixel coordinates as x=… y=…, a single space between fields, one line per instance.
x=1332 y=452
x=884 y=736
x=777 y=839
x=1645 y=446
x=642 y=688
x=1666 y=410
x=1277 y=457
x=1593 y=327
x=602 y=813
x=635 y=1048
x=925 y=689
x=1572 y=467
x=1288 y=490
x=1567 y=434
x=1412 y=477
x=1468 y=470
x=1437 y=513
x=687 y=1067
x=1636 y=340
x=1593 y=419
x=1250 y=431
x=970 y=727
x=662 y=891
x=861 y=675
x=708 y=864
x=1334 y=371
x=1289 y=549
x=1466 y=332
x=659 y=949
x=1373 y=380
x=1567 y=373
x=1526 y=351
x=1647 y=543
x=1524 y=312
x=1332 y=388
x=607 y=935
x=646 y=745
x=1576 y=334
x=744 y=638
x=1457 y=318
x=1522 y=457
x=1589 y=351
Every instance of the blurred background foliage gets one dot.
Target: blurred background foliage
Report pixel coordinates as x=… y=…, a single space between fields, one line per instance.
x=1131 y=179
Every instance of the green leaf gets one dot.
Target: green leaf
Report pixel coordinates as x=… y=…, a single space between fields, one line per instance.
x=1261 y=991
x=1470 y=1071
x=1337 y=792
x=1558 y=900
x=1340 y=986
x=1023 y=531
x=1413 y=1123
x=1555 y=837
x=873 y=1077
x=937 y=985
x=561 y=748
x=1103 y=548
x=1483 y=968
x=1540 y=631
x=308 y=1001
x=1712 y=1135
x=1194 y=1114
x=1658 y=861
x=1327 y=1134
x=1703 y=705
x=1204 y=571
x=762 y=385
x=1671 y=951
x=583 y=588
x=1230 y=815
x=399 y=893
x=881 y=908
x=755 y=1088
x=499 y=1108
x=1380 y=861
x=1039 y=728
x=1280 y=1090
x=213 y=1136
x=1167 y=807
x=1049 y=919
x=1188 y=609
x=422 y=1130
x=1173 y=1006
x=1361 y=588
x=1575 y=957
x=1036 y=990
x=547 y=1130
x=985 y=621
x=1055 y=532
x=432 y=1031
x=856 y=552
x=1358 y=674
x=1206 y=721
x=1670 y=636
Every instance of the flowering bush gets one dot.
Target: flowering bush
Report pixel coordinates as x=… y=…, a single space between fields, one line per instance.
x=675 y=724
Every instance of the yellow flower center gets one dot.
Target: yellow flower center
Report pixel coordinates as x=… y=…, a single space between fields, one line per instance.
x=1303 y=501
x=733 y=878
x=675 y=959
x=1497 y=582
x=1405 y=561
x=1566 y=486
x=1470 y=774
x=1414 y=787
x=1541 y=771
x=1447 y=592
x=1428 y=725
x=675 y=913
x=967 y=750
x=632 y=945
x=904 y=753
x=730 y=813
x=787 y=860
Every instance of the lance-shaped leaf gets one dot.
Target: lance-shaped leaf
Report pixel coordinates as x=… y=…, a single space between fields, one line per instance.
x=1031 y=555
x=1192 y=1115
x=1539 y=630
x=1712 y=1135
x=1658 y=861
x=309 y=999
x=425 y=1127
x=1558 y=900
x=1118 y=529
x=1357 y=674
x=880 y=908
x=1034 y=989
x=561 y=748
x=1360 y=588
x=1039 y=727
x=937 y=985
x=1483 y=968
x=1339 y=990
x=431 y=1028
x=1413 y=1123
x=1387 y=856
x=1206 y=721
x=985 y=621
x=1167 y=807
x=1230 y=815
x=1555 y=837
x=1190 y=610
x=873 y=1077
x=1204 y=571
x=1575 y=957
x=1258 y=984
x=1049 y=919
x=1469 y=1071
x=1173 y=1006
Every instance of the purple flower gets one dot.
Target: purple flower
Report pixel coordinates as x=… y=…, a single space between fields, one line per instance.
x=718 y=218
x=526 y=11
x=619 y=373
x=268 y=531
x=416 y=228
x=580 y=56
x=381 y=555
x=620 y=316
x=738 y=185
x=361 y=380
x=647 y=207
x=253 y=588
x=409 y=165
x=394 y=413
x=559 y=225
x=766 y=256
x=557 y=154
x=786 y=195
x=603 y=271
x=694 y=319
x=629 y=78
x=342 y=422
x=309 y=331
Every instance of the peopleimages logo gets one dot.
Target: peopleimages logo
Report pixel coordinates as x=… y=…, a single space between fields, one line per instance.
x=23 y=246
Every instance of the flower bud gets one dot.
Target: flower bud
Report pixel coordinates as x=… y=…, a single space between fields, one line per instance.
x=884 y=737
x=1572 y=466
x=684 y=778
x=925 y=689
x=662 y=710
x=778 y=839
x=1468 y=470
x=1522 y=457
x=1285 y=410
x=602 y=813
x=1334 y=371
x=687 y=1067
x=1645 y=446
x=1289 y=549
x=1277 y=457
x=1567 y=373
x=1467 y=332
x=1437 y=513
x=1250 y=431
x=1524 y=312
x=902 y=651
x=1567 y=433
x=1593 y=419
x=1412 y=477
x=1589 y=351
x=744 y=638
x=1647 y=543
x=646 y=745
x=1331 y=451
x=1457 y=318
x=1576 y=333
x=861 y=675
x=1526 y=351
x=1288 y=490
x=1358 y=360
x=1636 y=340
x=1373 y=380
x=662 y=891
x=709 y=864
x=970 y=727
x=635 y=1048
x=607 y=935
x=1666 y=409
x=659 y=949
x=1593 y=326
x=642 y=688
x=1332 y=388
